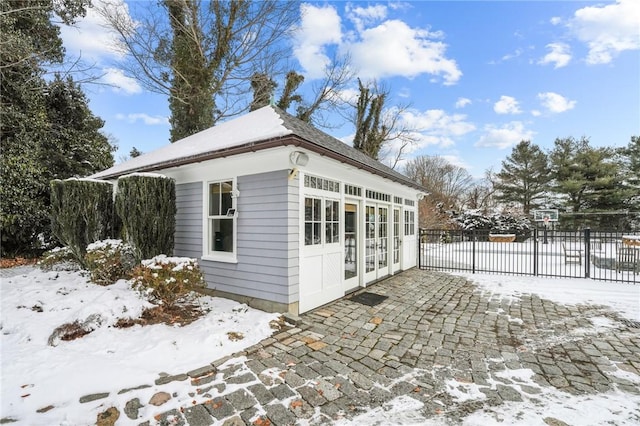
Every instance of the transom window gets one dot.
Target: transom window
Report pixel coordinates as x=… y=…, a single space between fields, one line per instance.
x=221 y=218
x=352 y=190
x=375 y=195
x=316 y=182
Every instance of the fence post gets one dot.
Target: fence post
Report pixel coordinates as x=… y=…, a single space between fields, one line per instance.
x=587 y=252
x=535 y=251
x=473 y=252
x=419 y=248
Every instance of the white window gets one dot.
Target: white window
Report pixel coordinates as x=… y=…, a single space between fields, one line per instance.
x=312 y=221
x=221 y=219
x=409 y=222
x=332 y=221
x=315 y=221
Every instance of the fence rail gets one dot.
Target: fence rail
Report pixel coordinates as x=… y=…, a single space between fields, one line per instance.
x=599 y=255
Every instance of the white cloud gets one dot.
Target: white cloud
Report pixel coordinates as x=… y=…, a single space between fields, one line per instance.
x=559 y=55
x=515 y=54
x=456 y=161
x=91 y=38
x=361 y=16
x=555 y=103
x=377 y=49
x=319 y=27
x=556 y=20
x=536 y=113
x=463 y=102
x=507 y=105
x=436 y=127
x=504 y=136
x=395 y=49
x=608 y=30
x=144 y=118
x=120 y=82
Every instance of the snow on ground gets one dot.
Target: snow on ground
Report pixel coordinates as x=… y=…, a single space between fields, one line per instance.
x=36 y=374
x=621 y=297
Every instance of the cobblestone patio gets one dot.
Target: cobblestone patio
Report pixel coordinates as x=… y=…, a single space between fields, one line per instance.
x=435 y=335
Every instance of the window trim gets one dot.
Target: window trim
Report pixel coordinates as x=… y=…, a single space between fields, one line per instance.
x=207 y=253
x=324 y=199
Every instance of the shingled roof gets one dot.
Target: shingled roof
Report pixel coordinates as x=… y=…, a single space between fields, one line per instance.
x=264 y=128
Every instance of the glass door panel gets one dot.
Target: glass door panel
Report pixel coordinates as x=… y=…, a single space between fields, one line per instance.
x=396 y=237
x=350 y=241
x=383 y=234
x=370 y=239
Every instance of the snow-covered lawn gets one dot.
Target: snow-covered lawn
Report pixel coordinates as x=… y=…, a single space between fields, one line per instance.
x=36 y=375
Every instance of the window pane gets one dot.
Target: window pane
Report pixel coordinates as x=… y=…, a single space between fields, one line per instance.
x=316 y=210
x=316 y=233
x=308 y=209
x=222 y=231
x=227 y=202
x=214 y=199
x=308 y=234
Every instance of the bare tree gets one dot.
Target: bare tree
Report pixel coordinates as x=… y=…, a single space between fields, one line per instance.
x=325 y=93
x=447 y=184
x=202 y=55
x=380 y=131
x=481 y=195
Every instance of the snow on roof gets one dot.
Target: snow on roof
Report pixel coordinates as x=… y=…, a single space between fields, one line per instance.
x=265 y=124
x=260 y=124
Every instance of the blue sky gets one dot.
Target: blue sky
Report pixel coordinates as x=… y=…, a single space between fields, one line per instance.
x=479 y=76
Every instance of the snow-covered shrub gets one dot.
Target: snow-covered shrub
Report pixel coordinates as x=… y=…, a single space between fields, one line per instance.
x=167 y=280
x=508 y=224
x=109 y=260
x=146 y=205
x=476 y=224
x=81 y=213
x=59 y=258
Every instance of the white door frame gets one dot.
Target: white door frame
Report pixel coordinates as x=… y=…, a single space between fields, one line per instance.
x=376 y=241
x=352 y=247
x=396 y=237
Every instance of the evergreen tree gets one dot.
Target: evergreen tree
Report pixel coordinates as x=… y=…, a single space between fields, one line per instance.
x=631 y=168
x=46 y=129
x=524 y=176
x=589 y=178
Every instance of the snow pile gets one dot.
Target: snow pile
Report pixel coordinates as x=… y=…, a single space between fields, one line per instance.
x=36 y=375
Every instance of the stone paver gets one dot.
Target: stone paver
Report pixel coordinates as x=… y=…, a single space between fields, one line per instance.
x=433 y=330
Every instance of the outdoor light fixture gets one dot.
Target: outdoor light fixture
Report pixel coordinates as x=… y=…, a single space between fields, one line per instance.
x=299 y=158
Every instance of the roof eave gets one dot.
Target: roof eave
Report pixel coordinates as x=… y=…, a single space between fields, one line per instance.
x=289 y=140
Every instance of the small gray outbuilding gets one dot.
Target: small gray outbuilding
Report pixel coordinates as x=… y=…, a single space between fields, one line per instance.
x=281 y=215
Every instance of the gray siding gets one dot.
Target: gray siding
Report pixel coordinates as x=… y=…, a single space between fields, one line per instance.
x=267 y=238
x=188 y=237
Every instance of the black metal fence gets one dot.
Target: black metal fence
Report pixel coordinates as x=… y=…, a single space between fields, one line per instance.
x=610 y=256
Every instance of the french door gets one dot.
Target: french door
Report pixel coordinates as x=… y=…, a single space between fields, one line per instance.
x=351 y=244
x=376 y=241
